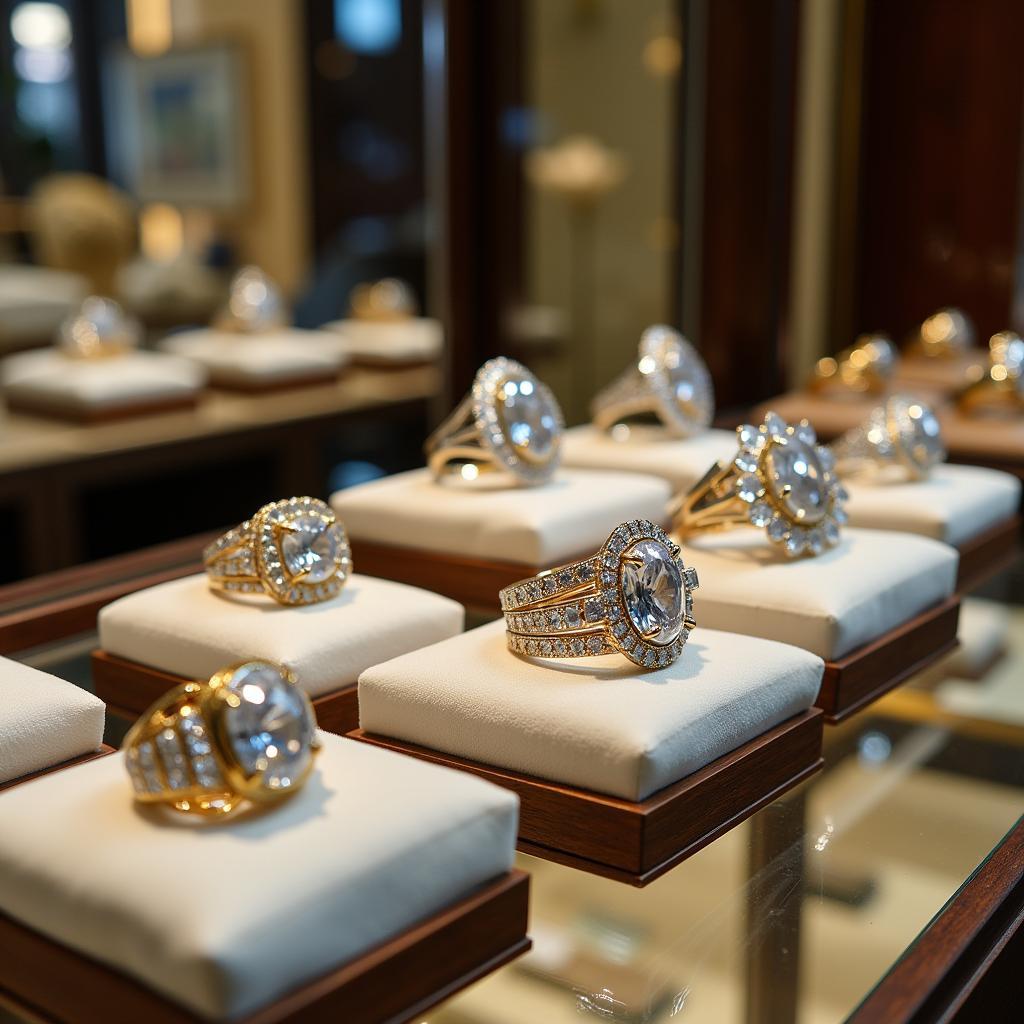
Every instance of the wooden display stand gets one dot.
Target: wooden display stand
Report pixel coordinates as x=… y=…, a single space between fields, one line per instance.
x=128 y=688
x=103 y=751
x=83 y=415
x=636 y=842
x=987 y=553
x=398 y=981
x=861 y=677
x=311 y=378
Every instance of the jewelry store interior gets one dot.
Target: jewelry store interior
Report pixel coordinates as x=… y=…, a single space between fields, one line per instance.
x=511 y=511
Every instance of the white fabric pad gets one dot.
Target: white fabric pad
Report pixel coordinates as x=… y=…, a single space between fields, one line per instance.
x=597 y=723
x=416 y=340
x=571 y=515
x=49 y=379
x=955 y=503
x=832 y=604
x=649 y=449
x=44 y=721
x=225 y=917
x=183 y=627
x=252 y=360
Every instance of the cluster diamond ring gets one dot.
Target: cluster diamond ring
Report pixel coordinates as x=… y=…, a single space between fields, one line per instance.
x=1000 y=387
x=946 y=333
x=901 y=437
x=295 y=551
x=634 y=597
x=780 y=480
x=864 y=367
x=669 y=380
x=248 y=735
x=509 y=422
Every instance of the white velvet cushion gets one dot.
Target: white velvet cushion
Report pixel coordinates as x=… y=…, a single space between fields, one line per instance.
x=832 y=604
x=47 y=378
x=649 y=449
x=254 y=359
x=185 y=628
x=596 y=723
x=44 y=720
x=416 y=340
x=829 y=415
x=571 y=515
x=226 y=917
x=954 y=504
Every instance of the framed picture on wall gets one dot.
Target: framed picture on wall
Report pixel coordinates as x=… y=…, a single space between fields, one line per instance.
x=177 y=126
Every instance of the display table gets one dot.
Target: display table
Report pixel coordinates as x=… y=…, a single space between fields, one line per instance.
x=379 y=888
x=467 y=540
x=621 y=772
x=159 y=637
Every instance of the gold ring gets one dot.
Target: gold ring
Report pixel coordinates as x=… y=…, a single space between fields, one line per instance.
x=99 y=330
x=865 y=366
x=1000 y=387
x=246 y=736
x=781 y=480
x=384 y=301
x=669 y=380
x=634 y=597
x=295 y=551
x=946 y=333
x=509 y=422
x=254 y=304
x=902 y=435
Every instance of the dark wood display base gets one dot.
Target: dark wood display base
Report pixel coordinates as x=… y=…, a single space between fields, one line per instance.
x=396 y=982
x=638 y=842
x=103 y=751
x=129 y=688
x=263 y=387
x=59 y=411
x=983 y=556
x=867 y=673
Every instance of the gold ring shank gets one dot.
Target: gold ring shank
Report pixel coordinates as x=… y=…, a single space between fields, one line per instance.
x=711 y=504
x=456 y=443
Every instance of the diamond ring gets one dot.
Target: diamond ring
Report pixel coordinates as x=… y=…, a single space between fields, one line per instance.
x=669 y=380
x=865 y=366
x=634 y=597
x=510 y=422
x=99 y=329
x=902 y=436
x=254 y=304
x=946 y=333
x=295 y=551
x=1000 y=387
x=383 y=301
x=246 y=736
x=781 y=479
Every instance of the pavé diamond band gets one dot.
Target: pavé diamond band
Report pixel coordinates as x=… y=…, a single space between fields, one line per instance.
x=634 y=597
x=295 y=551
x=248 y=735
x=781 y=479
x=509 y=422
x=669 y=379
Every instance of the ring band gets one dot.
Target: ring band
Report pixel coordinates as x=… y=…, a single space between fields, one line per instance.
x=669 y=380
x=295 y=551
x=864 y=367
x=247 y=735
x=780 y=480
x=634 y=597
x=509 y=422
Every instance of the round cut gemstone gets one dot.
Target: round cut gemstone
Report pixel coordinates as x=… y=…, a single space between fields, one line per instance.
x=271 y=727
x=922 y=436
x=529 y=418
x=797 y=480
x=311 y=548
x=652 y=586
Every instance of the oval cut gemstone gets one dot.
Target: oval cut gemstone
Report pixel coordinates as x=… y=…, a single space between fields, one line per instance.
x=796 y=478
x=529 y=418
x=652 y=587
x=922 y=436
x=310 y=548
x=271 y=729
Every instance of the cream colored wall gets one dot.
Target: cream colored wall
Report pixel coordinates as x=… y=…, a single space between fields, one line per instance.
x=274 y=230
x=586 y=74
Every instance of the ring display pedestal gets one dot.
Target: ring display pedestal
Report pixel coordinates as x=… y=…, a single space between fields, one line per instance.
x=619 y=772
x=399 y=343
x=467 y=542
x=178 y=631
x=367 y=903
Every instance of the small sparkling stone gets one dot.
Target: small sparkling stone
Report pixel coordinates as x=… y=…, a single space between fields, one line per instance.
x=652 y=586
x=778 y=528
x=555 y=618
x=690 y=578
x=620 y=629
x=748 y=436
x=565 y=578
x=612 y=612
x=826 y=458
x=560 y=648
x=572 y=617
x=841 y=493
x=611 y=559
x=549 y=584
x=816 y=540
x=608 y=579
x=796 y=542
x=531 y=648
x=746 y=462
x=649 y=657
x=760 y=513
x=749 y=488
x=538 y=620
x=775 y=425
x=545 y=647
x=831 y=532
x=577 y=646
x=586 y=571
x=593 y=610
x=595 y=645
x=840 y=515
x=805 y=432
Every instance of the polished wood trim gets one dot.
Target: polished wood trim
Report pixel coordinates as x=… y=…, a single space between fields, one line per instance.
x=861 y=677
x=396 y=982
x=988 y=553
x=130 y=410
x=128 y=688
x=966 y=964
x=636 y=842
x=311 y=378
x=103 y=751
